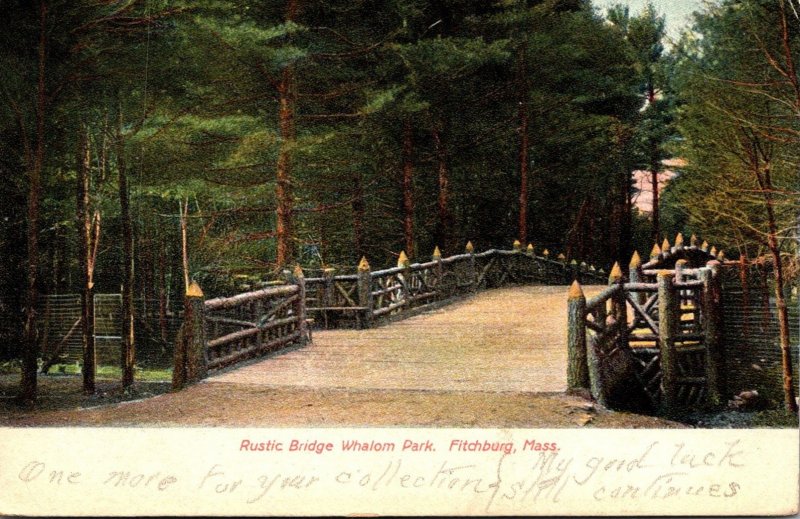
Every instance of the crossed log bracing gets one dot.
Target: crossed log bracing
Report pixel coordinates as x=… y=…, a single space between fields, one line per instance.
x=671 y=332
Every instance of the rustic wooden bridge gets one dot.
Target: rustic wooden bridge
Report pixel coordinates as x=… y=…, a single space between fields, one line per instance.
x=222 y=332
x=650 y=342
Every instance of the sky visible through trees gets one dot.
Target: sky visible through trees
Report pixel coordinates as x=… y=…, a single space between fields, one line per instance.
x=678 y=13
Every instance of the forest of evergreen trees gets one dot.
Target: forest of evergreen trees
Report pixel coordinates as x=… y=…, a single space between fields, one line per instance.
x=317 y=132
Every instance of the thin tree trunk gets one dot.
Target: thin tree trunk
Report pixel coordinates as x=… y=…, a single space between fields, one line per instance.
x=28 y=383
x=524 y=122
x=408 y=187
x=128 y=352
x=623 y=202
x=655 y=232
x=445 y=219
x=284 y=230
x=84 y=225
x=765 y=181
x=183 y=209
x=628 y=235
x=55 y=260
x=359 y=210
x=162 y=289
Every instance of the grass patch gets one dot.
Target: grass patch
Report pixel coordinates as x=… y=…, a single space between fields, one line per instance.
x=774 y=418
x=115 y=373
x=103 y=372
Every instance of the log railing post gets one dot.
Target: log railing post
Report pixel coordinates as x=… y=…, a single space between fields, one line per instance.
x=655 y=253
x=668 y=316
x=678 y=243
x=619 y=308
x=680 y=277
x=472 y=273
x=328 y=299
x=530 y=264
x=636 y=275
x=365 y=293
x=516 y=263
x=299 y=307
x=405 y=277
x=439 y=273
x=257 y=312
x=712 y=330
x=191 y=355
x=329 y=289
x=577 y=363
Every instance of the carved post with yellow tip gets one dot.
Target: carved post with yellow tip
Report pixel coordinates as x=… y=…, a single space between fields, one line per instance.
x=365 y=293
x=472 y=273
x=405 y=278
x=577 y=366
x=619 y=307
x=668 y=321
x=191 y=356
x=437 y=257
x=655 y=252
x=637 y=276
x=712 y=330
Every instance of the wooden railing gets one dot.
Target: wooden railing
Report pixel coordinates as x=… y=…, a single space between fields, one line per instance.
x=364 y=298
x=252 y=324
x=652 y=342
x=227 y=330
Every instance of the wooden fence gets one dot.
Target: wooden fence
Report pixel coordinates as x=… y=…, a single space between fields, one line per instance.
x=363 y=298
x=651 y=342
x=61 y=341
x=753 y=356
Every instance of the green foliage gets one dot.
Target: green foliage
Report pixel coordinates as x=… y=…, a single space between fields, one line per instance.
x=738 y=117
x=186 y=96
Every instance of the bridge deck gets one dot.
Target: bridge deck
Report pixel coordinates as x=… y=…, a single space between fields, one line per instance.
x=511 y=339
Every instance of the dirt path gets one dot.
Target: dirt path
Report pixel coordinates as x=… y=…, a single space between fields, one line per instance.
x=497 y=359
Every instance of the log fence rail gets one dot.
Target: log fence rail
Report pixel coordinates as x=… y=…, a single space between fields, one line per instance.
x=363 y=299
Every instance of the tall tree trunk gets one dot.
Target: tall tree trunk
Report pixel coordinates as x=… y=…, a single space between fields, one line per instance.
x=628 y=237
x=622 y=202
x=162 y=288
x=84 y=225
x=359 y=210
x=408 y=187
x=655 y=232
x=284 y=230
x=524 y=121
x=765 y=181
x=183 y=210
x=30 y=354
x=128 y=352
x=445 y=220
